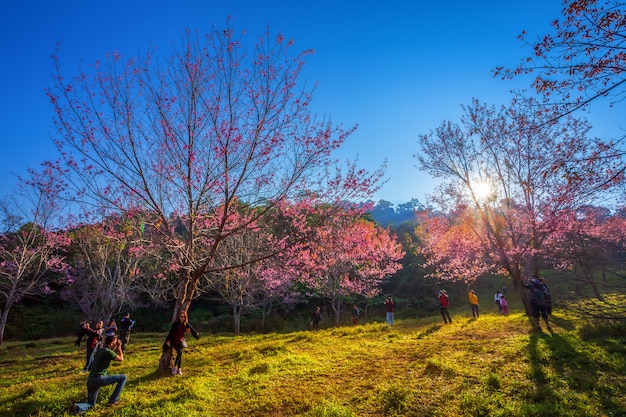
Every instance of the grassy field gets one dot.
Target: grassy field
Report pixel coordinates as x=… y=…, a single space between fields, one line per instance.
x=492 y=366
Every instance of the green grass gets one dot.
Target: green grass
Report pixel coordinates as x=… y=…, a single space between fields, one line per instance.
x=493 y=366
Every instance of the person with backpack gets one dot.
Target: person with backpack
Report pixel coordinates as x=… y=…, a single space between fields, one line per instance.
x=540 y=301
x=126 y=327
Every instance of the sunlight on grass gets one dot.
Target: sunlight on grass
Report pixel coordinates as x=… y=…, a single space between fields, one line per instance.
x=494 y=366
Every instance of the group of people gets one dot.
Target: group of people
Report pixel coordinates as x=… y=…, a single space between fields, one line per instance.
x=539 y=297
x=100 y=354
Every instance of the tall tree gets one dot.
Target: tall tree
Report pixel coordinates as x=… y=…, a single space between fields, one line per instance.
x=510 y=175
x=191 y=137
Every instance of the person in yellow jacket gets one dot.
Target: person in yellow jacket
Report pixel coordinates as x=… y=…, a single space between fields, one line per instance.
x=473 y=299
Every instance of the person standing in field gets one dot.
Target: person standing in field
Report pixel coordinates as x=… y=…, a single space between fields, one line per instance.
x=126 y=327
x=111 y=328
x=540 y=301
x=390 y=308
x=176 y=339
x=355 y=314
x=473 y=299
x=496 y=299
x=444 y=303
x=316 y=318
x=504 y=305
x=94 y=341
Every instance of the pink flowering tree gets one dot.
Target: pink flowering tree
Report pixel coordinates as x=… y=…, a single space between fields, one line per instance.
x=591 y=242
x=192 y=136
x=582 y=59
x=246 y=282
x=106 y=265
x=347 y=257
x=509 y=177
x=32 y=250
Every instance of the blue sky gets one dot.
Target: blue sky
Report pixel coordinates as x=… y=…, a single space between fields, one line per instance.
x=395 y=68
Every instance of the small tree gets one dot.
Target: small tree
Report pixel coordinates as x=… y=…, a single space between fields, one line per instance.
x=105 y=264
x=31 y=251
x=349 y=257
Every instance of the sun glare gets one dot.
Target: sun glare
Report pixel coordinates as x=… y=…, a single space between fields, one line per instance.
x=481 y=190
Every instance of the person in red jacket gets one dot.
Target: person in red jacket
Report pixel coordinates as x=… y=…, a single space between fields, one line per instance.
x=390 y=307
x=443 y=306
x=176 y=339
x=94 y=341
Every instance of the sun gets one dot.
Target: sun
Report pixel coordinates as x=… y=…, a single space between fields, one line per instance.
x=481 y=190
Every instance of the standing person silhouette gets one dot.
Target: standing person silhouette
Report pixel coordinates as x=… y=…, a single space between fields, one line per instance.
x=443 y=306
x=126 y=327
x=390 y=308
x=473 y=299
x=316 y=318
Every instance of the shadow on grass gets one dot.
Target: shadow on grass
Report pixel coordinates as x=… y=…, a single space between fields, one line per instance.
x=428 y=331
x=576 y=367
x=565 y=324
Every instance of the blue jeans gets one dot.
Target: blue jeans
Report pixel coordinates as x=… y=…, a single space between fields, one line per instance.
x=90 y=353
x=94 y=384
x=390 y=318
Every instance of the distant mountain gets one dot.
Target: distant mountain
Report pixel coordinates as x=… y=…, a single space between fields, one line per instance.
x=385 y=214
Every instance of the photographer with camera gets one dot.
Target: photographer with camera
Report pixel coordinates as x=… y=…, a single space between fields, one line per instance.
x=99 y=376
x=126 y=327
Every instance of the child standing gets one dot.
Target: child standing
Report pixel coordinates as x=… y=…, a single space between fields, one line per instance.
x=504 y=305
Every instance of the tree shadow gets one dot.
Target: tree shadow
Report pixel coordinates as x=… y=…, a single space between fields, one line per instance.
x=574 y=365
x=565 y=324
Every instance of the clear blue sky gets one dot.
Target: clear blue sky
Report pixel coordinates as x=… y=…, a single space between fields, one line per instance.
x=395 y=68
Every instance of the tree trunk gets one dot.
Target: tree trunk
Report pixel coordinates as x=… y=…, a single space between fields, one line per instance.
x=237 y=310
x=336 y=304
x=3 y=322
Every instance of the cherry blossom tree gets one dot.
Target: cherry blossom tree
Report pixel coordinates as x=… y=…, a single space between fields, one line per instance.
x=242 y=280
x=582 y=59
x=537 y=168
x=192 y=136
x=105 y=262
x=349 y=257
x=591 y=242
x=31 y=249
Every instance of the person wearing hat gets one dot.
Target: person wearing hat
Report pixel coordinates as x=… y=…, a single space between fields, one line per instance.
x=443 y=306
x=473 y=299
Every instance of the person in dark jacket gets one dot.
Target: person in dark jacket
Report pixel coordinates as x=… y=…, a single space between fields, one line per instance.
x=126 y=327
x=316 y=318
x=176 y=339
x=540 y=301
